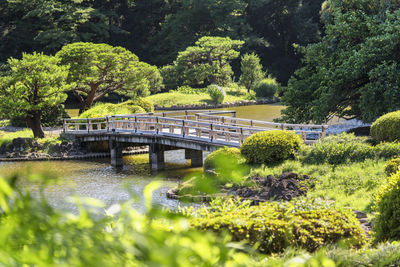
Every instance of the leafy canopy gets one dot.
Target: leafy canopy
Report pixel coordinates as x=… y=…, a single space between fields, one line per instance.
x=36 y=84
x=353 y=71
x=208 y=61
x=99 y=69
x=252 y=72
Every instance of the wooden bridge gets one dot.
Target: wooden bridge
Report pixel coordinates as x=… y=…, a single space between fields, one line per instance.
x=195 y=131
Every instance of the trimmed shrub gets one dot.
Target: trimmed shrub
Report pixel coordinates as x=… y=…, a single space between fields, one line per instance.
x=217 y=93
x=107 y=109
x=275 y=226
x=392 y=166
x=387 y=225
x=271 y=146
x=266 y=88
x=387 y=127
x=212 y=160
x=141 y=102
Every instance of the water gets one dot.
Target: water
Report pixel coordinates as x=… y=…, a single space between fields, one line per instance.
x=96 y=179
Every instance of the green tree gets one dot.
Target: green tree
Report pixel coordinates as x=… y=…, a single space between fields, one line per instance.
x=353 y=71
x=208 y=61
x=47 y=25
x=252 y=72
x=100 y=69
x=36 y=84
x=188 y=20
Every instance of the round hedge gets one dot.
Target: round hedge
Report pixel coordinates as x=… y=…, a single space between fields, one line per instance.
x=387 y=127
x=387 y=223
x=106 y=109
x=226 y=152
x=271 y=146
x=141 y=102
x=392 y=166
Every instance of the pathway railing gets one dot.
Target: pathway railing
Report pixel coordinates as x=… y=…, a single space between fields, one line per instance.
x=204 y=126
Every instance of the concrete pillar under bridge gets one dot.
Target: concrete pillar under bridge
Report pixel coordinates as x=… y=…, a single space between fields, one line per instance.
x=156 y=157
x=116 y=154
x=195 y=156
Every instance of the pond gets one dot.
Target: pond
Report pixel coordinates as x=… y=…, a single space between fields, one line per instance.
x=97 y=179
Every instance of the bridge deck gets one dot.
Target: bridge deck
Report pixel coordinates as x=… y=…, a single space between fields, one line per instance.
x=206 y=127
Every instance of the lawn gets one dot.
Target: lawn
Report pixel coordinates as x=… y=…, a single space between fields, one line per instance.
x=178 y=98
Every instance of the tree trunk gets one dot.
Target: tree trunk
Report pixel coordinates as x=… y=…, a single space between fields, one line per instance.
x=33 y=122
x=87 y=104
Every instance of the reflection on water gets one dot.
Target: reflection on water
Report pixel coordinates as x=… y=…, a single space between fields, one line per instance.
x=96 y=179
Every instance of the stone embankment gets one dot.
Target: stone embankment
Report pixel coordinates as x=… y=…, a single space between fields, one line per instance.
x=224 y=105
x=28 y=149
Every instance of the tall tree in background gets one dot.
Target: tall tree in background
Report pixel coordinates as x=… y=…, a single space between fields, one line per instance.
x=208 y=61
x=36 y=84
x=194 y=19
x=100 y=69
x=252 y=72
x=283 y=23
x=47 y=25
x=354 y=71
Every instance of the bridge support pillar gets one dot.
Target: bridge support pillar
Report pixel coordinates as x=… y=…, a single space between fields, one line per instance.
x=195 y=156
x=116 y=154
x=156 y=157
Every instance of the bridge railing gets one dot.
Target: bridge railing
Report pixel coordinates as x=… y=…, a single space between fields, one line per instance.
x=205 y=125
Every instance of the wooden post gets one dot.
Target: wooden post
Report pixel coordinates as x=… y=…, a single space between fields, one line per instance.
x=64 y=126
x=241 y=140
x=157 y=125
x=211 y=132
x=183 y=128
x=323 y=132
x=283 y=127
x=136 y=127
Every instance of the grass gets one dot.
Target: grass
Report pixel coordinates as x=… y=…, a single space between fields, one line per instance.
x=352 y=185
x=177 y=98
x=7 y=137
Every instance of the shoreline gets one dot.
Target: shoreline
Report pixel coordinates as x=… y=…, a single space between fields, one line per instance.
x=275 y=100
x=87 y=156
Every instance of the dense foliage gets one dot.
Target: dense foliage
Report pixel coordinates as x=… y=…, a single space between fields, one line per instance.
x=217 y=93
x=107 y=109
x=353 y=71
x=156 y=30
x=387 y=205
x=392 y=166
x=35 y=85
x=274 y=226
x=270 y=147
x=251 y=69
x=213 y=159
x=346 y=148
x=99 y=69
x=266 y=88
x=387 y=127
x=207 y=62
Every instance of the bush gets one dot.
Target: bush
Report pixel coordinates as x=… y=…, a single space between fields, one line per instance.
x=392 y=166
x=266 y=88
x=307 y=224
x=212 y=160
x=141 y=102
x=344 y=148
x=271 y=146
x=387 y=225
x=387 y=127
x=217 y=93
x=101 y=110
